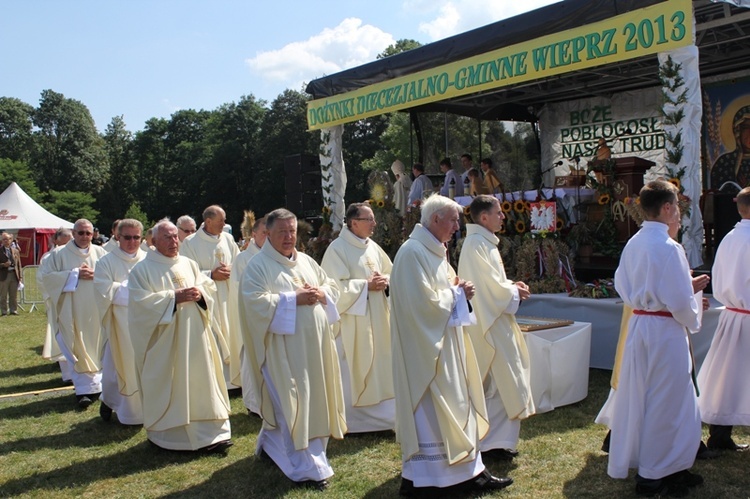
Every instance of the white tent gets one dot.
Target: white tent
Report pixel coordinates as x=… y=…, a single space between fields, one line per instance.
x=32 y=223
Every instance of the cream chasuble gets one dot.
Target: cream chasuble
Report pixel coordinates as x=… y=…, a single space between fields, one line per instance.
x=111 y=271
x=110 y=245
x=303 y=366
x=50 y=349
x=77 y=318
x=431 y=358
x=499 y=343
x=176 y=354
x=209 y=252
x=366 y=337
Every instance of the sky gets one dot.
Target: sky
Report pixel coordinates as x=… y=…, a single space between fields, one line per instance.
x=144 y=59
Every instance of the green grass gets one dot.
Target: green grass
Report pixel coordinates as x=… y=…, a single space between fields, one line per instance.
x=50 y=449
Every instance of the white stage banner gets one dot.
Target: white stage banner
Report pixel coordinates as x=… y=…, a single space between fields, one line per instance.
x=630 y=122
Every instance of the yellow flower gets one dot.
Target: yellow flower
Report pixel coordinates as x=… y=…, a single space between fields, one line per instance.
x=506 y=206
x=527 y=206
x=676 y=182
x=326 y=210
x=519 y=206
x=502 y=229
x=604 y=199
x=559 y=223
x=520 y=227
x=381 y=204
x=467 y=211
x=377 y=193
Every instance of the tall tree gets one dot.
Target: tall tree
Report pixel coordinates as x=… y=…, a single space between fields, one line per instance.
x=15 y=129
x=69 y=153
x=153 y=190
x=72 y=205
x=20 y=173
x=118 y=193
x=284 y=132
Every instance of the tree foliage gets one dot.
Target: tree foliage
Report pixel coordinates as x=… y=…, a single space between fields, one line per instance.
x=15 y=129
x=71 y=205
x=18 y=172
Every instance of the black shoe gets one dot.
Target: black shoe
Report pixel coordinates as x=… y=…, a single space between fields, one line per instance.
x=662 y=490
x=483 y=482
x=105 y=411
x=725 y=444
x=499 y=454
x=408 y=489
x=704 y=453
x=312 y=484
x=83 y=401
x=217 y=448
x=685 y=478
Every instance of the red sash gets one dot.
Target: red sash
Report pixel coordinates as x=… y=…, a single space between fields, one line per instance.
x=739 y=310
x=659 y=313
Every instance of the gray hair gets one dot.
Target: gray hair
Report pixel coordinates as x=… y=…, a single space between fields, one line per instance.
x=437 y=204
x=82 y=221
x=161 y=225
x=129 y=223
x=279 y=214
x=62 y=232
x=185 y=219
x=213 y=211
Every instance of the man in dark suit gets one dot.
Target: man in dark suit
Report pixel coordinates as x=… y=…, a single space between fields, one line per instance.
x=10 y=276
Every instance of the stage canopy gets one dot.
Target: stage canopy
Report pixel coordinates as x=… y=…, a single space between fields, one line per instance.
x=722 y=37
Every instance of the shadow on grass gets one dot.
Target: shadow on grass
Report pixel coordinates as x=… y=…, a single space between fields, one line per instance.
x=33 y=386
x=354 y=443
x=37 y=350
x=39 y=407
x=225 y=483
x=87 y=434
x=385 y=489
x=142 y=457
x=44 y=368
x=243 y=424
x=592 y=481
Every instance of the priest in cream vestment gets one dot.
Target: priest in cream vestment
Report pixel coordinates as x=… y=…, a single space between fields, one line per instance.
x=215 y=251
x=361 y=270
x=440 y=408
x=499 y=344
x=50 y=349
x=249 y=398
x=185 y=401
x=289 y=306
x=69 y=281
x=120 y=391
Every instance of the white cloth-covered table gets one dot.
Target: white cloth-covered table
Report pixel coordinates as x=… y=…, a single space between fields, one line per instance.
x=567 y=197
x=605 y=314
x=559 y=359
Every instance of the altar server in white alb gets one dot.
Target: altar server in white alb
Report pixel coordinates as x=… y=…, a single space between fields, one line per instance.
x=289 y=305
x=215 y=251
x=440 y=409
x=69 y=281
x=185 y=401
x=50 y=349
x=653 y=414
x=120 y=392
x=258 y=239
x=499 y=343
x=361 y=270
x=724 y=375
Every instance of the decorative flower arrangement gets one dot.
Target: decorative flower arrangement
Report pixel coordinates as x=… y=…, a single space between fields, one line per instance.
x=596 y=289
x=388 y=232
x=506 y=206
x=604 y=198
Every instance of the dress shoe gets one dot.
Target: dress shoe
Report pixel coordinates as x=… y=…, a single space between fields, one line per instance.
x=685 y=478
x=313 y=484
x=661 y=490
x=704 y=453
x=484 y=482
x=83 y=401
x=725 y=444
x=217 y=448
x=105 y=411
x=499 y=454
x=14 y=313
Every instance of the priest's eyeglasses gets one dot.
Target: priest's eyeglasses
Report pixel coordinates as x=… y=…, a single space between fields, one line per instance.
x=84 y=233
x=130 y=238
x=186 y=231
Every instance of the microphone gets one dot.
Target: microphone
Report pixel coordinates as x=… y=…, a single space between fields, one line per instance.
x=559 y=163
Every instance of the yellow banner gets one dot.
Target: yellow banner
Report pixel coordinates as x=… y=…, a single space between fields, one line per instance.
x=658 y=28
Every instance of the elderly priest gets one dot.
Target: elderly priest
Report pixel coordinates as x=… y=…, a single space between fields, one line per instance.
x=185 y=401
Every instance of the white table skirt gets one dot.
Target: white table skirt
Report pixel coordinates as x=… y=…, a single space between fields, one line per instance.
x=559 y=359
x=605 y=315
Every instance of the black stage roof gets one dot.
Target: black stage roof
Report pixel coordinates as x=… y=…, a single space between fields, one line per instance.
x=722 y=36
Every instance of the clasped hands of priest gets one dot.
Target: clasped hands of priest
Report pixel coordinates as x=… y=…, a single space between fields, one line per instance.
x=377 y=281
x=310 y=295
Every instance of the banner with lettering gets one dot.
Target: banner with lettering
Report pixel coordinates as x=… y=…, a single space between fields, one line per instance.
x=630 y=123
x=661 y=27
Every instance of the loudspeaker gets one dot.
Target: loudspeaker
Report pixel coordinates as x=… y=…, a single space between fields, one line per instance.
x=304 y=195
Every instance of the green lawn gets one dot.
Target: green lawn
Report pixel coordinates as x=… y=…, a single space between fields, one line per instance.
x=50 y=449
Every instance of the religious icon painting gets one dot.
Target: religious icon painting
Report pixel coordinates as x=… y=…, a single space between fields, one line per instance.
x=543 y=217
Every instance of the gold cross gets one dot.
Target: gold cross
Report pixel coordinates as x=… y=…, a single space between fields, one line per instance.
x=178 y=281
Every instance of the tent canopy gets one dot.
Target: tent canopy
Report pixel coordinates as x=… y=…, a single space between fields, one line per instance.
x=722 y=36
x=19 y=211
